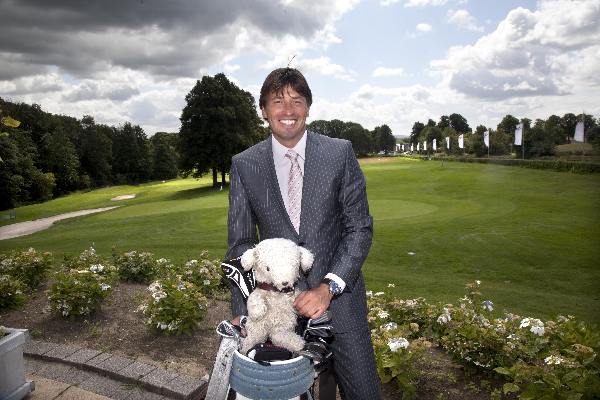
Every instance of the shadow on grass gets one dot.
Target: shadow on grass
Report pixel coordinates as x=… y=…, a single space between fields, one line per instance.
x=188 y=194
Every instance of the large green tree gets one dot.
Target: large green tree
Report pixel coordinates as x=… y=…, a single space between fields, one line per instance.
x=59 y=156
x=218 y=121
x=131 y=154
x=383 y=139
x=459 y=123
x=96 y=153
x=164 y=155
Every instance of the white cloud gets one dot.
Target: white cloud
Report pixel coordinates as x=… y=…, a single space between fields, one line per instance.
x=423 y=3
x=423 y=27
x=464 y=20
x=383 y=71
x=230 y=68
x=324 y=66
x=414 y=3
x=531 y=53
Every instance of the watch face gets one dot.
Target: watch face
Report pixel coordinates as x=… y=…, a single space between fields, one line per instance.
x=334 y=287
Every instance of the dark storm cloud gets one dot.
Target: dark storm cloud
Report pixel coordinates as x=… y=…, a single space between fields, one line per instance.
x=172 y=38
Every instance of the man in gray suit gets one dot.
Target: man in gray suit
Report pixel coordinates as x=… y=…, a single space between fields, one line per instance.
x=310 y=189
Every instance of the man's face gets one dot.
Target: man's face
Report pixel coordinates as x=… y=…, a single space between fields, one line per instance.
x=286 y=113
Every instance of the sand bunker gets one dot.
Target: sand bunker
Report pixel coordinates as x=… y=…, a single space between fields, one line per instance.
x=123 y=197
x=29 y=227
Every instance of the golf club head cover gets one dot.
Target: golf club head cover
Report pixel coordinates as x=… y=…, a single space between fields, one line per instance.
x=235 y=273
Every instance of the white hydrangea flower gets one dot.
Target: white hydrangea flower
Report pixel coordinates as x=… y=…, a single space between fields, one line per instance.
x=383 y=314
x=478 y=282
x=398 y=343
x=488 y=305
x=191 y=263
x=203 y=270
x=389 y=326
x=554 y=360
x=525 y=323
x=158 y=296
x=445 y=317
x=538 y=330
x=155 y=286
x=104 y=287
x=206 y=282
x=379 y=294
x=391 y=285
x=369 y=293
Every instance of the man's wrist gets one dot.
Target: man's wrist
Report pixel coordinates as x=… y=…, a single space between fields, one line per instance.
x=333 y=287
x=325 y=287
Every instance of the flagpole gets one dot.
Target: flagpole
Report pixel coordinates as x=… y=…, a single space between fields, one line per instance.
x=523 y=141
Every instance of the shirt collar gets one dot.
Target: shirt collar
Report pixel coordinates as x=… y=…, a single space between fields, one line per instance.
x=280 y=150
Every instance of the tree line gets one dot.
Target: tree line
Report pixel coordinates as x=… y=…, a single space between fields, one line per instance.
x=540 y=137
x=43 y=155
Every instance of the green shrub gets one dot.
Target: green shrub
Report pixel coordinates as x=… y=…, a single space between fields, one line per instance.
x=30 y=267
x=136 y=266
x=11 y=292
x=204 y=273
x=553 y=165
x=174 y=306
x=81 y=285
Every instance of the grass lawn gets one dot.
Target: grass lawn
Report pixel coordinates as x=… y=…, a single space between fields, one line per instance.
x=532 y=237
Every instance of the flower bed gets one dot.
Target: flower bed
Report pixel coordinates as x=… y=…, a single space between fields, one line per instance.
x=555 y=359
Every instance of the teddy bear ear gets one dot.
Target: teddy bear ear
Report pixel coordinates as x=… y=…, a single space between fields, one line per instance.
x=248 y=259
x=306 y=259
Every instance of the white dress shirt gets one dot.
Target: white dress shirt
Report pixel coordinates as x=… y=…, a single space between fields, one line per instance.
x=282 y=169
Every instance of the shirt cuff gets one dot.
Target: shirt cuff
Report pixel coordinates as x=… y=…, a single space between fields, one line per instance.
x=337 y=280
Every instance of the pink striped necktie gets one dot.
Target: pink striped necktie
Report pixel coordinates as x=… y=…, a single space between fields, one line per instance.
x=294 y=189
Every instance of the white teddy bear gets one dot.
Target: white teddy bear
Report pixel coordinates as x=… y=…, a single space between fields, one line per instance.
x=271 y=314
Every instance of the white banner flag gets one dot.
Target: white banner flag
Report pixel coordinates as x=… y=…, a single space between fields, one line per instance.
x=519 y=135
x=461 y=141
x=579 y=132
x=448 y=142
x=486 y=138
x=424 y=145
x=434 y=144
x=411 y=147
x=418 y=146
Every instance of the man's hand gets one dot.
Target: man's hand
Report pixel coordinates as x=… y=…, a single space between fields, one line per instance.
x=313 y=302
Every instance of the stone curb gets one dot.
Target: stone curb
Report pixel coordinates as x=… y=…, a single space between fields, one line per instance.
x=152 y=378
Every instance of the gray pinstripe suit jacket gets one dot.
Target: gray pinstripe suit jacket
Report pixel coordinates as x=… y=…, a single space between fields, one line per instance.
x=334 y=224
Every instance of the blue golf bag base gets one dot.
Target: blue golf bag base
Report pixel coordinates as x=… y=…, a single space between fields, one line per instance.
x=277 y=380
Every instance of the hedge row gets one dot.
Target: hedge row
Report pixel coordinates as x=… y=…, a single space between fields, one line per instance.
x=553 y=165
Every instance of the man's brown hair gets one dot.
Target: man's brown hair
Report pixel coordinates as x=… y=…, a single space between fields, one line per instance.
x=281 y=78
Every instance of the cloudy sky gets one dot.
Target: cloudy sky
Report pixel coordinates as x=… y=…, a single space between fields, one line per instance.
x=373 y=61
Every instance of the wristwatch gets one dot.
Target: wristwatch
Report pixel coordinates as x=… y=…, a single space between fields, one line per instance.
x=334 y=288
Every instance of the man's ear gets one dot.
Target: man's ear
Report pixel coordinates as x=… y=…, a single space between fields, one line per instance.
x=306 y=259
x=264 y=113
x=248 y=259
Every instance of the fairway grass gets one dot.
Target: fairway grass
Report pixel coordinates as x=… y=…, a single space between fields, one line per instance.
x=532 y=237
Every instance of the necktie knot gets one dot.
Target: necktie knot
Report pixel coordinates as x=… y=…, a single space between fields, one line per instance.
x=292 y=155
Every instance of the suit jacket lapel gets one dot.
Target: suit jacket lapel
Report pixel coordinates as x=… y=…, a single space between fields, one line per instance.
x=268 y=168
x=309 y=180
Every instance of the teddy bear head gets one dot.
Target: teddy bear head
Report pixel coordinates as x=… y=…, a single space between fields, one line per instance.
x=277 y=262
